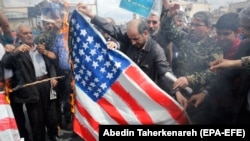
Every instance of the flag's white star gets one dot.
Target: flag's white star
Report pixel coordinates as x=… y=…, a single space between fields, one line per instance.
x=118 y=64
x=102 y=70
x=77 y=60
x=86 y=78
x=104 y=51
x=85 y=45
x=83 y=32
x=97 y=45
x=81 y=52
x=96 y=95
x=99 y=90
x=78 y=39
x=89 y=73
x=107 y=64
x=110 y=75
x=103 y=86
x=93 y=52
x=95 y=64
x=114 y=70
x=100 y=58
x=87 y=58
x=89 y=88
x=96 y=80
x=81 y=71
x=77 y=26
x=77 y=77
x=92 y=84
x=73 y=21
x=83 y=83
x=90 y=39
x=75 y=46
x=75 y=66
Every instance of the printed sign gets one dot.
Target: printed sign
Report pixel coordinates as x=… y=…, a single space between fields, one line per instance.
x=141 y=7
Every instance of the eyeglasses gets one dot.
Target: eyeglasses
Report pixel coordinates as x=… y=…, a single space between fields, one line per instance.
x=224 y=33
x=195 y=25
x=154 y=22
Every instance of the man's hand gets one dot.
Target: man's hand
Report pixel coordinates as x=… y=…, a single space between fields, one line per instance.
x=181 y=99
x=22 y=48
x=181 y=82
x=224 y=63
x=197 y=99
x=173 y=10
x=58 y=23
x=9 y=48
x=82 y=7
x=41 y=49
x=53 y=82
x=112 y=45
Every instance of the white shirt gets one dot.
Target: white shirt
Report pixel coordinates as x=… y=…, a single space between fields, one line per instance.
x=38 y=62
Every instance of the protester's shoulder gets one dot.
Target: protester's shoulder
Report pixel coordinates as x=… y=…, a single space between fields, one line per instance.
x=154 y=46
x=152 y=43
x=211 y=42
x=245 y=41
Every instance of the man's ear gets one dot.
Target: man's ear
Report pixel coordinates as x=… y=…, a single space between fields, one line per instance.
x=146 y=32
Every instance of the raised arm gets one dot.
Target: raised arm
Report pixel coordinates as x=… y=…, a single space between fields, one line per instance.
x=4 y=23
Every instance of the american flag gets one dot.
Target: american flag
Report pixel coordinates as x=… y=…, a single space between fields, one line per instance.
x=111 y=89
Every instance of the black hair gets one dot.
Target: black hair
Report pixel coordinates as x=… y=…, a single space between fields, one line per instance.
x=229 y=21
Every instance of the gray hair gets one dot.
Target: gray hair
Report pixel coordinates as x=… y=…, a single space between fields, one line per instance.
x=155 y=13
x=17 y=28
x=245 y=16
x=181 y=15
x=204 y=16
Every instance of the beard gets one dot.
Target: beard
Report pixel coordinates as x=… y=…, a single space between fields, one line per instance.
x=153 y=32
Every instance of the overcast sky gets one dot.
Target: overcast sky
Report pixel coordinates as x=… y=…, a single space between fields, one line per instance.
x=109 y=8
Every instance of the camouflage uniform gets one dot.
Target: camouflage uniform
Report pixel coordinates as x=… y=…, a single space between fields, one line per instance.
x=193 y=62
x=194 y=57
x=246 y=63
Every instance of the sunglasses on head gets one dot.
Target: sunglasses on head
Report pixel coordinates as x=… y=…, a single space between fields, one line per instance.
x=154 y=22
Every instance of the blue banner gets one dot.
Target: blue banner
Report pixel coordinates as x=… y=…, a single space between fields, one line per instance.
x=141 y=7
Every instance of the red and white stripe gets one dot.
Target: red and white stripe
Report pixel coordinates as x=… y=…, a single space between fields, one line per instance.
x=133 y=99
x=8 y=127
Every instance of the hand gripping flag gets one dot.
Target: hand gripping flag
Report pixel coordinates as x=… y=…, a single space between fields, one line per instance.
x=111 y=89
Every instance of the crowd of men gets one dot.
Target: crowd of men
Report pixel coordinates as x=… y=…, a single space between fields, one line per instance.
x=215 y=67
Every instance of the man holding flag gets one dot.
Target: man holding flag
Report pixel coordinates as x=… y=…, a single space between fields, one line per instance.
x=138 y=46
x=110 y=88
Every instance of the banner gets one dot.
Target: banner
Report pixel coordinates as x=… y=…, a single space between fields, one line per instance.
x=141 y=7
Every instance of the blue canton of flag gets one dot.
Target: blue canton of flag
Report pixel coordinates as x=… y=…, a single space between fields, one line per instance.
x=95 y=69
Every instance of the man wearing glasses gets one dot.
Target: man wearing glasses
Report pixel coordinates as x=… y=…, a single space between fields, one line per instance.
x=221 y=96
x=196 y=50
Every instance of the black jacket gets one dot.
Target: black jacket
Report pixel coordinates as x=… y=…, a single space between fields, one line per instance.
x=151 y=59
x=24 y=73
